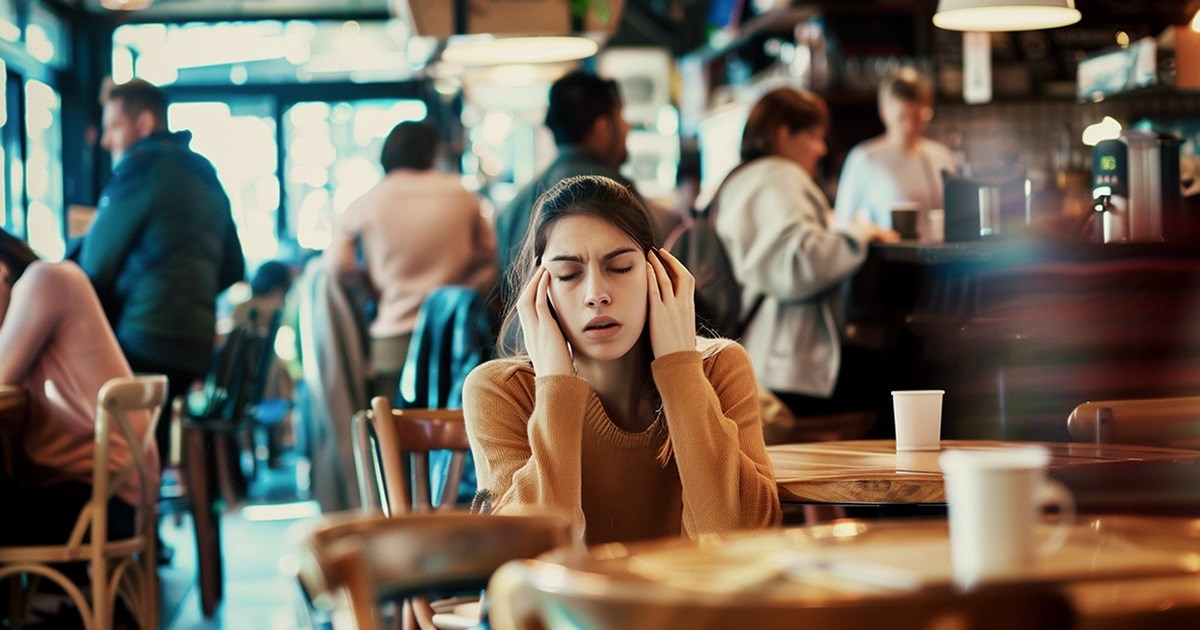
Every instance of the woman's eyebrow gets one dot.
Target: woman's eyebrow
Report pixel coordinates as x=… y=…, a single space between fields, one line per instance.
x=576 y=259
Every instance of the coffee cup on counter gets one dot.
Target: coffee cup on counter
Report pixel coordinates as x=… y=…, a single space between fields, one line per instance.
x=904 y=220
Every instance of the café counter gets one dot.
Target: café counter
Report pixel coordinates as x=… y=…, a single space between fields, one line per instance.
x=1019 y=331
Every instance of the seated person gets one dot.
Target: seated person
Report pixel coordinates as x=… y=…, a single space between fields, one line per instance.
x=56 y=342
x=615 y=412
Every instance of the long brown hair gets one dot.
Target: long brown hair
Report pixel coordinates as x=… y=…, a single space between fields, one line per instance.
x=591 y=195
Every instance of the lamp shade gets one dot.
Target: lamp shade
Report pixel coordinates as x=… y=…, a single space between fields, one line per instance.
x=1004 y=15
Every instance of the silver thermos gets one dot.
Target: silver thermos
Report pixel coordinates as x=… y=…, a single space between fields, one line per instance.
x=1135 y=186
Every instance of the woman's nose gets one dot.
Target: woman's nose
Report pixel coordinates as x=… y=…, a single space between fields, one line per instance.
x=597 y=294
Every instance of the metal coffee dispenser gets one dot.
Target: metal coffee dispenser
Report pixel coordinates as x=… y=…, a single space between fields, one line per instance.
x=1135 y=186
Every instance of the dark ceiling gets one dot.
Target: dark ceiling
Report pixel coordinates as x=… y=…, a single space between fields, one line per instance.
x=680 y=25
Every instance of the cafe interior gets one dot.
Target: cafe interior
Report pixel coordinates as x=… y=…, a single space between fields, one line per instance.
x=1027 y=454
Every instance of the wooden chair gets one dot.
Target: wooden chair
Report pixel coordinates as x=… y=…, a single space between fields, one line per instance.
x=374 y=558
x=1158 y=421
x=412 y=434
x=127 y=567
x=392 y=467
x=534 y=595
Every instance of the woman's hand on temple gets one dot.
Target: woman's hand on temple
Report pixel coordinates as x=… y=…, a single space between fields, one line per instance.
x=544 y=339
x=672 y=311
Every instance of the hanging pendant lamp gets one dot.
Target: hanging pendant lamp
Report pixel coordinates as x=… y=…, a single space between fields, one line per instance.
x=1004 y=15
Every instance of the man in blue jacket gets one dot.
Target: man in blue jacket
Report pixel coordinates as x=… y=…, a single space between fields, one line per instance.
x=163 y=243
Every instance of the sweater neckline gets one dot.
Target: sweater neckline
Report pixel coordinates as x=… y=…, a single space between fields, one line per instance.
x=597 y=419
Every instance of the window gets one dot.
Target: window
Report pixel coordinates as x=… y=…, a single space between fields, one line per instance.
x=43 y=172
x=235 y=53
x=333 y=158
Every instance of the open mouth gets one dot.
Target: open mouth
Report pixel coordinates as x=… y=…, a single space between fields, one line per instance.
x=601 y=328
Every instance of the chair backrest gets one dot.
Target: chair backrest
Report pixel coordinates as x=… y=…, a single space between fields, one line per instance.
x=534 y=594
x=399 y=461
x=453 y=334
x=1158 y=421
x=377 y=557
x=118 y=399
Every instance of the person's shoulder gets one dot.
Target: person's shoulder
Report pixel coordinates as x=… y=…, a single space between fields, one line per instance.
x=499 y=373
x=723 y=357
x=717 y=350
x=767 y=168
x=57 y=277
x=871 y=147
x=937 y=150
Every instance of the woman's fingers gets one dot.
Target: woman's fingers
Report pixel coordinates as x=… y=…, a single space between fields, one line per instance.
x=652 y=283
x=542 y=294
x=661 y=277
x=679 y=272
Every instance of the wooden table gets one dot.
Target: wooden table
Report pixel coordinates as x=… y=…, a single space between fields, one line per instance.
x=872 y=472
x=1116 y=571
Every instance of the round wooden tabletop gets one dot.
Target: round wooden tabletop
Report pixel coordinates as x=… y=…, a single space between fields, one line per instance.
x=872 y=472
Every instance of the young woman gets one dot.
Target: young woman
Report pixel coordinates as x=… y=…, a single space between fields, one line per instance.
x=56 y=342
x=614 y=412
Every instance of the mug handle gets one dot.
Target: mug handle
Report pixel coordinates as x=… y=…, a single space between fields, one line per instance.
x=1056 y=494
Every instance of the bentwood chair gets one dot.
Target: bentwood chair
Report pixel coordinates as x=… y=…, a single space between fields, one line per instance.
x=367 y=559
x=1158 y=421
x=396 y=456
x=125 y=568
x=392 y=450
x=538 y=595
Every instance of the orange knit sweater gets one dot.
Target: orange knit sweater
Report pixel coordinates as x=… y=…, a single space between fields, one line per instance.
x=547 y=442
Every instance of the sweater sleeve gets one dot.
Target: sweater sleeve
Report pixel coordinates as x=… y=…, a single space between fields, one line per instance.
x=527 y=445
x=717 y=440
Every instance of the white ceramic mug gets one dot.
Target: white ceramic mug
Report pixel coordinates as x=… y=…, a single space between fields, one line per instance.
x=918 y=419
x=995 y=498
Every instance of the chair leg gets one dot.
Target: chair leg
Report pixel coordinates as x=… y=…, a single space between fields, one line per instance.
x=199 y=463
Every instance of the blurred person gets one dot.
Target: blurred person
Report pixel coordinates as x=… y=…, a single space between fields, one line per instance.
x=774 y=223
x=268 y=287
x=585 y=117
x=163 y=244
x=419 y=229
x=610 y=409
x=56 y=343
x=900 y=166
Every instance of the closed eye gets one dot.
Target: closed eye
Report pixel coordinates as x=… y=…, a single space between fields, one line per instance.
x=622 y=269
x=569 y=276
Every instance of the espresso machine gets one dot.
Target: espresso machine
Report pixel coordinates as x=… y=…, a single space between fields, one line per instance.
x=1135 y=187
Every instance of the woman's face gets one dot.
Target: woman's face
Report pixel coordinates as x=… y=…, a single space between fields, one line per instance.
x=805 y=147
x=907 y=118
x=597 y=286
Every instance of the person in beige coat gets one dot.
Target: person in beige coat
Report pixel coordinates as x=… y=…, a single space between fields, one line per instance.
x=775 y=225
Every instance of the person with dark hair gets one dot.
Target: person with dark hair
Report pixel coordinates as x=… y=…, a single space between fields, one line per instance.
x=163 y=244
x=418 y=229
x=774 y=223
x=56 y=343
x=609 y=408
x=900 y=166
x=585 y=116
